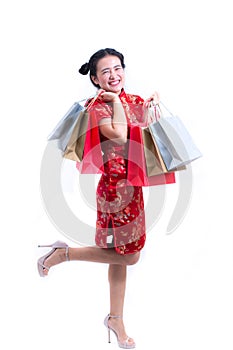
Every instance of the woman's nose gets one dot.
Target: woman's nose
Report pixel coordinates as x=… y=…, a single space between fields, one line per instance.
x=112 y=74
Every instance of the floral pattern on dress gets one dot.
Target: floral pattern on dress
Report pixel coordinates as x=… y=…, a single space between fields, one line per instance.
x=120 y=220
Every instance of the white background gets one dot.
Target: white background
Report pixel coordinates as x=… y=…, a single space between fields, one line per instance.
x=180 y=293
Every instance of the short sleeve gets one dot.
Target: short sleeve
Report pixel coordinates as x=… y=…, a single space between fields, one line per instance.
x=100 y=109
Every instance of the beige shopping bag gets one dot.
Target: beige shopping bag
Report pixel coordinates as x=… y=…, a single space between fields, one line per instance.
x=76 y=143
x=75 y=146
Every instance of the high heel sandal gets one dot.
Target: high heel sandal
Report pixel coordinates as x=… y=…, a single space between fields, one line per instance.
x=123 y=345
x=57 y=245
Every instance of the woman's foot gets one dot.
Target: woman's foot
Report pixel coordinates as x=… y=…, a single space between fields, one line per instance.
x=57 y=255
x=116 y=324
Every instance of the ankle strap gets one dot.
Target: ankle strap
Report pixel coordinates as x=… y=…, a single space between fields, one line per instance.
x=67 y=254
x=114 y=316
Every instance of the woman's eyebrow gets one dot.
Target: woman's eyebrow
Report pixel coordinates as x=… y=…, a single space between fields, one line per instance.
x=105 y=69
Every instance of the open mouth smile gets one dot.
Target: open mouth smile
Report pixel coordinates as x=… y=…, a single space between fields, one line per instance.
x=114 y=83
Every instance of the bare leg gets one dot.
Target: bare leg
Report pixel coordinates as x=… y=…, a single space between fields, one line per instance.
x=117 y=284
x=92 y=254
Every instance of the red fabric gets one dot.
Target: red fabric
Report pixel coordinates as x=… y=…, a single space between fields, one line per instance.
x=137 y=175
x=92 y=162
x=120 y=220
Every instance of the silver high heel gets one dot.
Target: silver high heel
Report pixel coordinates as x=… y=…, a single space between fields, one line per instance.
x=123 y=345
x=57 y=245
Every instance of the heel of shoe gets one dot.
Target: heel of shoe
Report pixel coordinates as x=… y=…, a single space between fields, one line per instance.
x=109 y=330
x=109 y=335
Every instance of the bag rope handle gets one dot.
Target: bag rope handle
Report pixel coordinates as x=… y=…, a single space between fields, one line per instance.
x=165 y=108
x=92 y=102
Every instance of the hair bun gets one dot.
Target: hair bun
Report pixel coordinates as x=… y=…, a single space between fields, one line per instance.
x=84 y=69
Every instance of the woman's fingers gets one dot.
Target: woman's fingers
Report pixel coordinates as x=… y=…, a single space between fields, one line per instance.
x=154 y=97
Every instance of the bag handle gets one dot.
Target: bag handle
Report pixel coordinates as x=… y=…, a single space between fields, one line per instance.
x=156 y=112
x=92 y=102
x=160 y=110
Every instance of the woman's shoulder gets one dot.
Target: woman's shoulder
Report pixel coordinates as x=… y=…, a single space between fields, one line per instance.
x=100 y=108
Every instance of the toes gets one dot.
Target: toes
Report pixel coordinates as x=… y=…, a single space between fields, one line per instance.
x=45 y=270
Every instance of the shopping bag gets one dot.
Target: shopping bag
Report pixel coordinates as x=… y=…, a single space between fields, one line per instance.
x=137 y=170
x=173 y=141
x=153 y=158
x=75 y=146
x=63 y=130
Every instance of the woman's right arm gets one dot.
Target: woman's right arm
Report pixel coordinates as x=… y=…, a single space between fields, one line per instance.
x=114 y=128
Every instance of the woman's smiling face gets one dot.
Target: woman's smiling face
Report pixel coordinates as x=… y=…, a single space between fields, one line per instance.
x=110 y=74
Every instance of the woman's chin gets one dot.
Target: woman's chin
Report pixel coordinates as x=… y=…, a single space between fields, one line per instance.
x=115 y=88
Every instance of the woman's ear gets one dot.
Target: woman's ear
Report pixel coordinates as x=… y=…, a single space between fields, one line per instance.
x=95 y=79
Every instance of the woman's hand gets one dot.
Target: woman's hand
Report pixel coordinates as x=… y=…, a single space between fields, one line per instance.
x=107 y=96
x=154 y=97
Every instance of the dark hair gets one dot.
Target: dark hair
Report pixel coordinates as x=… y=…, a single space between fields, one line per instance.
x=92 y=64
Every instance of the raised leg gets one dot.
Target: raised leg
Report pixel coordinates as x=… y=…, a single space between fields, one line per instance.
x=116 y=276
x=92 y=254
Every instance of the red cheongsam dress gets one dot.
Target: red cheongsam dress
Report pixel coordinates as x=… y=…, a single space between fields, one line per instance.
x=120 y=220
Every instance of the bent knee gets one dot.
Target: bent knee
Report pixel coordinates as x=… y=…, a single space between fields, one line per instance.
x=132 y=259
